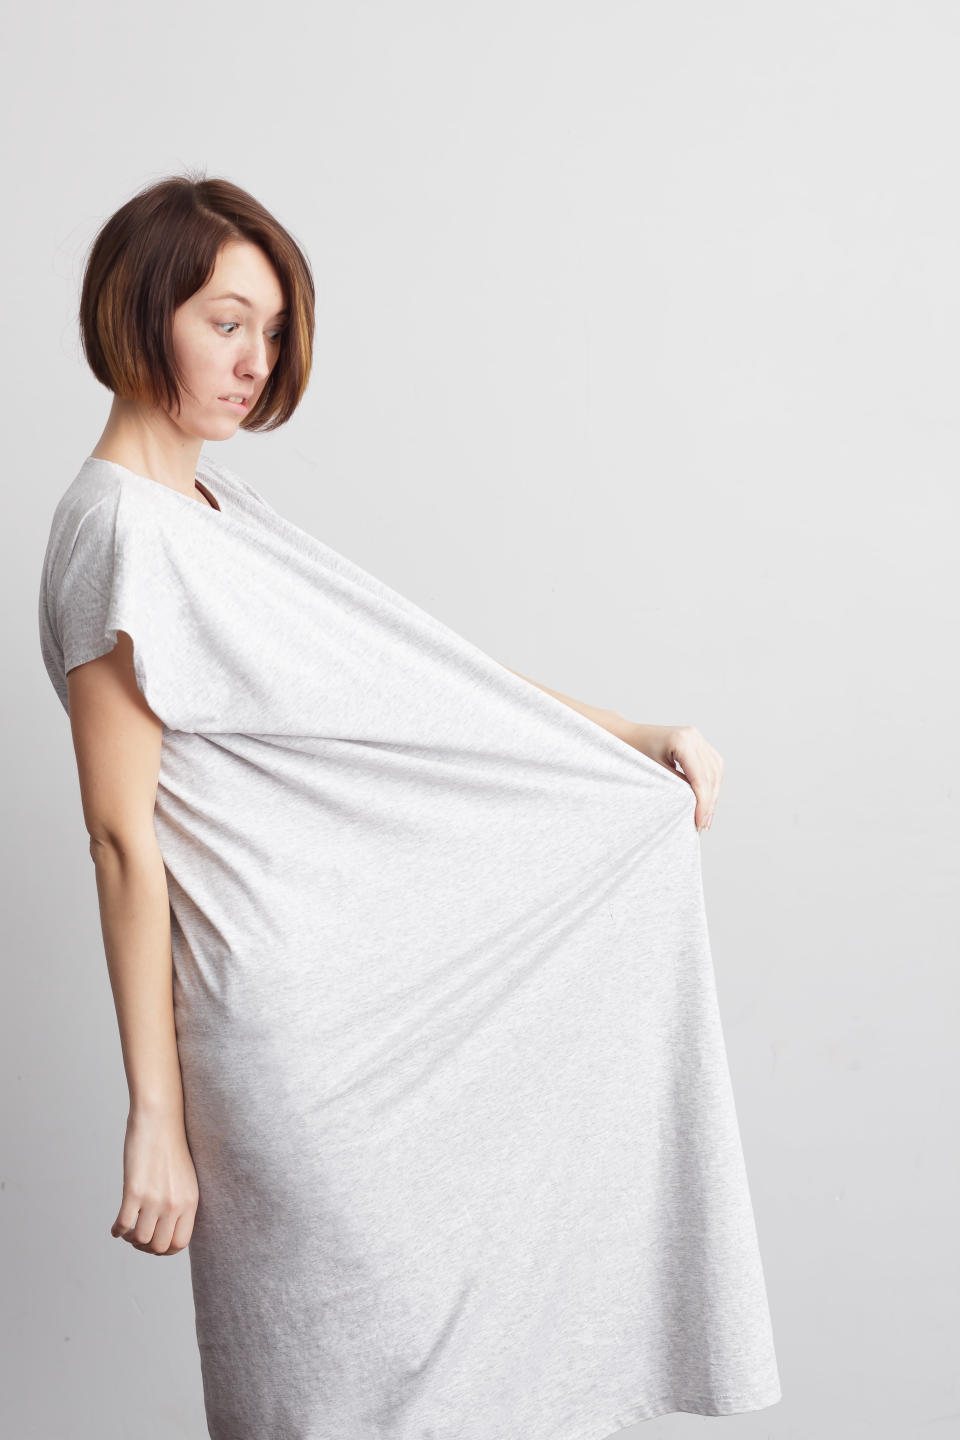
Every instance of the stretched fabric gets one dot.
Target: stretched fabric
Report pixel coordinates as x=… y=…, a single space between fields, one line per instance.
x=455 y=1082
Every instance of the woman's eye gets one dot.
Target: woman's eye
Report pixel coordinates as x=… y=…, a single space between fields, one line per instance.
x=224 y=326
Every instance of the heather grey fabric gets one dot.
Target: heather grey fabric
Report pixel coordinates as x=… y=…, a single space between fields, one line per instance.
x=455 y=1080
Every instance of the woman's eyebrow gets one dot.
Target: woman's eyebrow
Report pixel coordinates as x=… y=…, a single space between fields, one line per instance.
x=232 y=295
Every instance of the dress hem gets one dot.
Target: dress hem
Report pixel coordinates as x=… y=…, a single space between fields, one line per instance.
x=669 y=1405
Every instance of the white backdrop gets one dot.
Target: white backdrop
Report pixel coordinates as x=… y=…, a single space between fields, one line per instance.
x=637 y=363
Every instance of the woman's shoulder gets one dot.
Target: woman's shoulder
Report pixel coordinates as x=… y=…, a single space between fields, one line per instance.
x=89 y=503
x=95 y=481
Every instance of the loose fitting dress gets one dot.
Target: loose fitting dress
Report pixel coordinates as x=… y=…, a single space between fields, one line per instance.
x=455 y=1084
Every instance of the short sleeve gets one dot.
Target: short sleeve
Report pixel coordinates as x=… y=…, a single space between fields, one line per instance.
x=86 y=586
x=91 y=589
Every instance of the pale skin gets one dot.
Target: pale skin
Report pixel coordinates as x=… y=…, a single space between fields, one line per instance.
x=224 y=347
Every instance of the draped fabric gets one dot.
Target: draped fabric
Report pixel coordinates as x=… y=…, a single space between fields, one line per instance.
x=455 y=1081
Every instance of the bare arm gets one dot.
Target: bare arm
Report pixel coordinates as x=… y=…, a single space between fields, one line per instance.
x=611 y=720
x=117 y=740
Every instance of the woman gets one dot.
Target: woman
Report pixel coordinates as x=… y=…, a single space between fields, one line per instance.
x=408 y=952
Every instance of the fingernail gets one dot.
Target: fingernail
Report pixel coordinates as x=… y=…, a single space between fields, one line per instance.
x=709 y=819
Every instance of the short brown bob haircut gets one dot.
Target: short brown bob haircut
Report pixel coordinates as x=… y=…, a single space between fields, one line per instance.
x=152 y=255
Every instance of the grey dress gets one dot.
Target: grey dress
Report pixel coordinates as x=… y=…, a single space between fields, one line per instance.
x=455 y=1081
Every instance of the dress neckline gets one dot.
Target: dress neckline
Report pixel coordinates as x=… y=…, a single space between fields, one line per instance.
x=212 y=502
x=212 y=499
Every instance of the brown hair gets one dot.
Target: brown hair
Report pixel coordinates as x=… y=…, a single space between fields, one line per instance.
x=153 y=254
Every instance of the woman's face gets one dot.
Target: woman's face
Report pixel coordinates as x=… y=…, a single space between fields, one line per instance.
x=226 y=339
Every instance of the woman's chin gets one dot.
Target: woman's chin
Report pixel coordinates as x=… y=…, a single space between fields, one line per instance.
x=217 y=427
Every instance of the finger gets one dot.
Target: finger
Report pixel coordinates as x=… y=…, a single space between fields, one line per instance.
x=181 y=1234
x=702 y=776
x=163 y=1234
x=698 y=783
x=142 y=1233
x=127 y=1218
x=707 y=791
x=710 y=804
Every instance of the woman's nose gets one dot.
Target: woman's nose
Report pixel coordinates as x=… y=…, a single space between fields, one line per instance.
x=255 y=361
